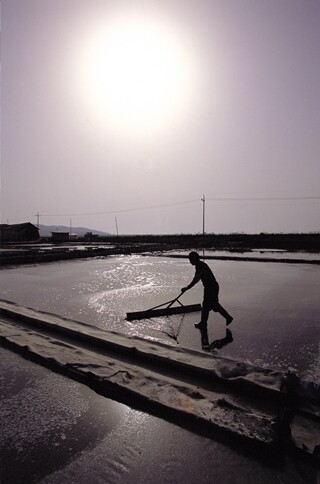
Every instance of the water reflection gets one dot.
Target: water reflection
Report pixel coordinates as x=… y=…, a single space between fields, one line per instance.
x=216 y=344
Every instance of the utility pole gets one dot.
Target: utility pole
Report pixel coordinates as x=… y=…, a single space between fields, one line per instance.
x=38 y=219
x=116 y=225
x=203 y=199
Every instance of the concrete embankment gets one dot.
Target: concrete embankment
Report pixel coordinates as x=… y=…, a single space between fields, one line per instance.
x=229 y=399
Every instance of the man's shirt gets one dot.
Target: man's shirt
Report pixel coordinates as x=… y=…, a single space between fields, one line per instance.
x=204 y=274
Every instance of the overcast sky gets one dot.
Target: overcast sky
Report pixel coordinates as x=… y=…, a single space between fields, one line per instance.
x=132 y=110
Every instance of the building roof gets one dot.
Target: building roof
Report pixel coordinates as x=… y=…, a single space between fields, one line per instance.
x=17 y=226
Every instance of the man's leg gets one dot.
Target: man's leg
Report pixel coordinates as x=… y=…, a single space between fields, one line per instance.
x=204 y=338
x=204 y=318
x=219 y=309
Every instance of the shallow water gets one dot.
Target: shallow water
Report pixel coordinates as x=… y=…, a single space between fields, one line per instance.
x=275 y=306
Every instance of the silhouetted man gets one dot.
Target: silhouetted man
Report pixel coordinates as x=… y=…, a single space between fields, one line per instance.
x=211 y=291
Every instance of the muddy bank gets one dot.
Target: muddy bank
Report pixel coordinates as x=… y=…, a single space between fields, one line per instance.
x=236 y=242
x=35 y=255
x=25 y=253
x=223 y=396
x=250 y=258
x=58 y=430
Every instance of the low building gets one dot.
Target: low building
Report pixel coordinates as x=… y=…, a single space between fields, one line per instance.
x=24 y=232
x=90 y=236
x=60 y=236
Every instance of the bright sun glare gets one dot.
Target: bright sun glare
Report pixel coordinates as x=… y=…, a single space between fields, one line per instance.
x=136 y=74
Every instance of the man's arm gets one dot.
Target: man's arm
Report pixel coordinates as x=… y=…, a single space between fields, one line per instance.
x=192 y=283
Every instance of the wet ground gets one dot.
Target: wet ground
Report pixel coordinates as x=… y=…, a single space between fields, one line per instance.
x=54 y=430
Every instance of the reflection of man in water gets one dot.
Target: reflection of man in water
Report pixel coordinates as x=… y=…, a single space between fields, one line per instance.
x=211 y=290
x=216 y=344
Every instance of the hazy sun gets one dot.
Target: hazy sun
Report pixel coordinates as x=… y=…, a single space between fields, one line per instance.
x=136 y=73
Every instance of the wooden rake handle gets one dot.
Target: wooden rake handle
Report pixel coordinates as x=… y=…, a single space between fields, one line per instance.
x=168 y=302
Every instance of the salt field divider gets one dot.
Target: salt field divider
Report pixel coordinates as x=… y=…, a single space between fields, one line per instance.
x=226 y=398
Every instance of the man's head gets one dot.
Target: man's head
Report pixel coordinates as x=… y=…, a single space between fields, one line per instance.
x=194 y=258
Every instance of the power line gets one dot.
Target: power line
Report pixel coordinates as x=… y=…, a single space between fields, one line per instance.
x=257 y=199
x=17 y=219
x=172 y=204
x=164 y=205
x=137 y=209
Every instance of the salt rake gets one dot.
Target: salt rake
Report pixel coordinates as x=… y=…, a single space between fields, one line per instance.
x=167 y=311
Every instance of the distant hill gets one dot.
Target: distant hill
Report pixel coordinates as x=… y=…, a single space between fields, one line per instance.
x=45 y=230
